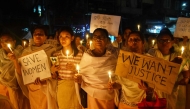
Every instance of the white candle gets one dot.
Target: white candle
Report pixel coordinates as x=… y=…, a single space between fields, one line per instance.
x=24 y=43
x=9 y=46
x=153 y=41
x=90 y=44
x=182 y=50
x=138 y=26
x=67 y=53
x=109 y=74
x=81 y=42
x=78 y=68
x=87 y=37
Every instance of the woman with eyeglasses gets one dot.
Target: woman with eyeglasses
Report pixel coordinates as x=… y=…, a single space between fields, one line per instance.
x=131 y=93
x=166 y=51
x=94 y=67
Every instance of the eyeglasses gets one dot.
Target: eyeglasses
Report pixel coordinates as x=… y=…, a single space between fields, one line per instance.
x=98 y=37
x=134 y=40
x=164 y=40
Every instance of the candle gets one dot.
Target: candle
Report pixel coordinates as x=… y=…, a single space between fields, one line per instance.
x=77 y=67
x=138 y=26
x=182 y=50
x=90 y=44
x=81 y=42
x=67 y=53
x=9 y=46
x=24 y=43
x=87 y=37
x=109 y=74
x=153 y=41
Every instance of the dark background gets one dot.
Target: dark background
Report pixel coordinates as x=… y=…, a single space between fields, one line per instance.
x=17 y=16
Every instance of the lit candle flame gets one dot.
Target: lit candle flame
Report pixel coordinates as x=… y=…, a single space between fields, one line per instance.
x=138 y=26
x=67 y=53
x=90 y=44
x=153 y=41
x=24 y=43
x=182 y=49
x=109 y=74
x=78 y=68
x=9 y=46
x=87 y=37
x=81 y=42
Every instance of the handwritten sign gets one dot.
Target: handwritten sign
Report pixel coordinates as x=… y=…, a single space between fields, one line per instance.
x=182 y=27
x=161 y=73
x=108 y=22
x=35 y=65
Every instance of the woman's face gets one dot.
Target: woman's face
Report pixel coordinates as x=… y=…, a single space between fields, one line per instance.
x=135 y=43
x=164 y=43
x=77 y=41
x=99 y=40
x=39 y=37
x=7 y=40
x=65 y=38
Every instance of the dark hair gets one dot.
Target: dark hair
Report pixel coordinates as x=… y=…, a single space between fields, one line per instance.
x=102 y=30
x=138 y=33
x=123 y=32
x=166 y=31
x=7 y=34
x=70 y=31
x=42 y=27
x=78 y=35
x=127 y=28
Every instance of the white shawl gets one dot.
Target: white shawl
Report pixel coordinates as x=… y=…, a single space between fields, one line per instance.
x=7 y=70
x=94 y=71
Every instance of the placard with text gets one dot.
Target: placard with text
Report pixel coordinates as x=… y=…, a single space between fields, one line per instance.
x=182 y=27
x=34 y=65
x=161 y=73
x=109 y=22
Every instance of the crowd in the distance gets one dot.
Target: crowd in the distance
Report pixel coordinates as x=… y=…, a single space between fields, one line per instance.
x=88 y=87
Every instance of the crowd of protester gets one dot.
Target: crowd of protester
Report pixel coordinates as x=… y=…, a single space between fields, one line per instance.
x=90 y=87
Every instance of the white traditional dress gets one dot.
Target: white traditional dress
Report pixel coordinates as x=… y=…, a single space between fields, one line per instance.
x=94 y=71
x=42 y=96
x=173 y=97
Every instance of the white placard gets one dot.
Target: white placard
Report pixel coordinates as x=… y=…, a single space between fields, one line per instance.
x=34 y=65
x=109 y=22
x=182 y=27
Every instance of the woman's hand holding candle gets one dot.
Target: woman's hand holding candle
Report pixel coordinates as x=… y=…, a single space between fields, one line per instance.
x=78 y=77
x=9 y=46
